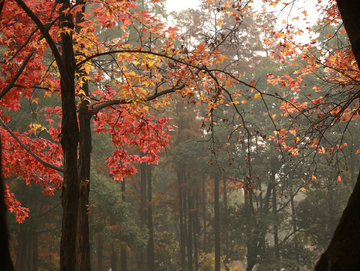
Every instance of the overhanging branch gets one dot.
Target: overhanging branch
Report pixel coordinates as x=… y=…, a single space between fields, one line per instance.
x=100 y=106
x=29 y=150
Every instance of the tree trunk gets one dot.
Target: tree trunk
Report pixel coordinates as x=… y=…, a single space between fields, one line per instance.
x=5 y=259
x=217 y=223
x=150 y=247
x=83 y=254
x=181 y=220
x=113 y=259
x=35 y=254
x=100 y=254
x=343 y=251
x=226 y=233
x=295 y=236
x=196 y=228
x=276 y=234
x=20 y=250
x=123 y=257
x=69 y=141
x=143 y=212
x=190 y=230
x=29 y=250
x=204 y=214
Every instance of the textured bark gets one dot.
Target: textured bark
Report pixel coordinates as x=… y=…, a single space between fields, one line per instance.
x=69 y=140
x=5 y=259
x=217 y=223
x=83 y=254
x=343 y=252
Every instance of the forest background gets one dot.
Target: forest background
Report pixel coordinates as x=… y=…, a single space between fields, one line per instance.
x=256 y=178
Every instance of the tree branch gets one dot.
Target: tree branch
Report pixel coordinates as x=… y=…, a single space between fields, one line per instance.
x=29 y=150
x=100 y=106
x=48 y=38
x=13 y=80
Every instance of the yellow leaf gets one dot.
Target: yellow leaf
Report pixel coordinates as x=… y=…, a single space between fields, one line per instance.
x=47 y=94
x=257 y=96
x=313 y=177
x=305 y=13
x=220 y=22
x=36 y=100
x=274 y=117
x=244 y=102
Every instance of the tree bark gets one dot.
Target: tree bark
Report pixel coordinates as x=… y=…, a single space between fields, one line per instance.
x=143 y=212
x=150 y=247
x=69 y=141
x=204 y=214
x=276 y=234
x=100 y=254
x=83 y=254
x=113 y=258
x=123 y=257
x=5 y=259
x=226 y=232
x=343 y=251
x=217 y=223
x=35 y=254
x=181 y=220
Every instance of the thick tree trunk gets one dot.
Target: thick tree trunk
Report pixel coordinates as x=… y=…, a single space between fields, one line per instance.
x=150 y=246
x=5 y=259
x=343 y=251
x=29 y=251
x=69 y=141
x=217 y=222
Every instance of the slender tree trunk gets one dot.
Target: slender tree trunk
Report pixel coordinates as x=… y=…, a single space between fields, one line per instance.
x=181 y=219
x=276 y=234
x=295 y=229
x=150 y=247
x=29 y=251
x=217 y=222
x=226 y=233
x=35 y=253
x=113 y=259
x=196 y=228
x=204 y=214
x=69 y=141
x=143 y=212
x=83 y=254
x=123 y=257
x=100 y=254
x=190 y=230
x=20 y=249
